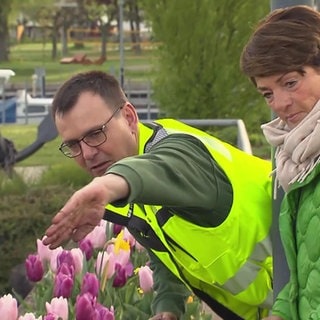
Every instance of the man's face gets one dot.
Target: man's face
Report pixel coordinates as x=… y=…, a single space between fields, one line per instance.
x=291 y=95
x=89 y=114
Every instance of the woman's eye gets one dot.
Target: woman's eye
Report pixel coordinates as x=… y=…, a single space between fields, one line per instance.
x=267 y=95
x=290 y=84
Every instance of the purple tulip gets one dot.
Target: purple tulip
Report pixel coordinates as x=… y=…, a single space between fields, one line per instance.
x=104 y=313
x=90 y=283
x=120 y=277
x=117 y=229
x=50 y=316
x=86 y=247
x=34 y=267
x=63 y=285
x=66 y=269
x=86 y=307
x=65 y=257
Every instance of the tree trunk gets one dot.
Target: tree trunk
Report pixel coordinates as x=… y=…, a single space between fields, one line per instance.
x=4 y=31
x=104 y=37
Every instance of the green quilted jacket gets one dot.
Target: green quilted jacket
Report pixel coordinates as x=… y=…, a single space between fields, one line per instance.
x=300 y=233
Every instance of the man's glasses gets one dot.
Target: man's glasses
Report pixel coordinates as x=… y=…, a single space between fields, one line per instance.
x=94 y=138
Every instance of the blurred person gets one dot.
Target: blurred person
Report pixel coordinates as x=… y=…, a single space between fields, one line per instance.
x=201 y=207
x=282 y=59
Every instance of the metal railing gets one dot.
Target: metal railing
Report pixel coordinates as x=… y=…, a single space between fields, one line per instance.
x=243 y=141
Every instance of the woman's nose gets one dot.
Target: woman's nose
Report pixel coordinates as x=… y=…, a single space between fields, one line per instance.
x=282 y=99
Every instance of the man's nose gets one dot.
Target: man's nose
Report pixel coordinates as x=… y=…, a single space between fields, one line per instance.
x=88 y=152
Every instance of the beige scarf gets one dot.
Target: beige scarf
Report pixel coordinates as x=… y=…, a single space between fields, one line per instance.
x=297 y=150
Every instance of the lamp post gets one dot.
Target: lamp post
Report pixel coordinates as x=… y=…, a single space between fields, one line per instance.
x=121 y=44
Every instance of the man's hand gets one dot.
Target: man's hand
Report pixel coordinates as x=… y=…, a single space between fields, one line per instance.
x=85 y=209
x=79 y=216
x=164 y=316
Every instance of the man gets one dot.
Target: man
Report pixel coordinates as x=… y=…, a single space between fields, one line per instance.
x=201 y=207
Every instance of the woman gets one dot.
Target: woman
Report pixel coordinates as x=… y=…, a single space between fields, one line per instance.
x=282 y=59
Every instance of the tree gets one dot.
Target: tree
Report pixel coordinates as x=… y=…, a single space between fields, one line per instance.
x=198 y=73
x=102 y=12
x=5 y=9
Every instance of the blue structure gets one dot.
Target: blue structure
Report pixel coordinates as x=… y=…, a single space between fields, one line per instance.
x=8 y=110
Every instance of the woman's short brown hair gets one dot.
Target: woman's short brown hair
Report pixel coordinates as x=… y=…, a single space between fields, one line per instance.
x=286 y=40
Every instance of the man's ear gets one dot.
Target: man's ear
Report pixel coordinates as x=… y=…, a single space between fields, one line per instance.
x=130 y=114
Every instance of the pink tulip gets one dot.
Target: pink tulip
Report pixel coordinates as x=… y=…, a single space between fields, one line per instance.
x=86 y=247
x=43 y=251
x=121 y=256
x=58 y=307
x=53 y=259
x=98 y=236
x=145 y=279
x=90 y=283
x=77 y=259
x=34 y=267
x=129 y=237
x=86 y=307
x=139 y=247
x=29 y=316
x=105 y=264
x=8 y=307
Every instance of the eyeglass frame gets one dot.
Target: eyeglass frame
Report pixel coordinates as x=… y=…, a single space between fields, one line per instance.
x=77 y=142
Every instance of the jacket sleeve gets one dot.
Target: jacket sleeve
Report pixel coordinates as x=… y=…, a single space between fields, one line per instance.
x=281 y=306
x=178 y=172
x=171 y=293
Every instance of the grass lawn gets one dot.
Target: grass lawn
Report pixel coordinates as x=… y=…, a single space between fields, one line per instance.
x=24 y=135
x=24 y=58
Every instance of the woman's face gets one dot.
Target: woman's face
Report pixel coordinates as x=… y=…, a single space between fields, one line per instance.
x=291 y=95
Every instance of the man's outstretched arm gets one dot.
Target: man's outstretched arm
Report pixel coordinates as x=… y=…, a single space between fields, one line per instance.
x=85 y=209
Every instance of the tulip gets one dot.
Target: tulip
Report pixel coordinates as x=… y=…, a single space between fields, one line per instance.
x=67 y=270
x=120 y=277
x=129 y=237
x=90 y=283
x=43 y=251
x=145 y=279
x=29 y=316
x=104 y=313
x=34 y=267
x=8 y=307
x=86 y=307
x=53 y=259
x=121 y=256
x=65 y=257
x=98 y=235
x=105 y=264
x=63 y=285
x=77 y=256
x=117 y=229
x=86 y=247
x=58 y=307
x=50 y=316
